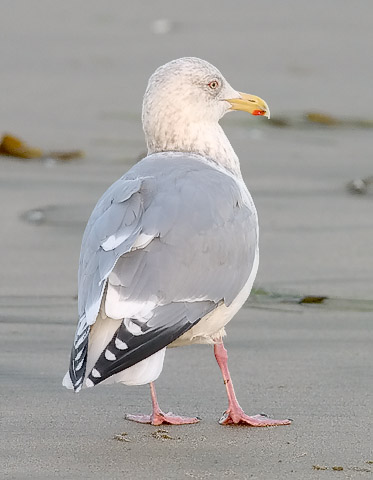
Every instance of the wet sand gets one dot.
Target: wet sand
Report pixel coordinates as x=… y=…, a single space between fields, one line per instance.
x=73 y=75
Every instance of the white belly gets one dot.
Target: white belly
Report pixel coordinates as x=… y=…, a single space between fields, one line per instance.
x=211 y=327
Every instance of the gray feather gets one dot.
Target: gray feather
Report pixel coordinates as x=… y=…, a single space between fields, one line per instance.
x=203 y=248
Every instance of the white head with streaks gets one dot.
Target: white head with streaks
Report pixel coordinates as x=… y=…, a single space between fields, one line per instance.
x=183 y=103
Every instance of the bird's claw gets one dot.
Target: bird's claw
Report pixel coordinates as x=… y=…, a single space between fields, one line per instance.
x=240 y=418
x=160 y=418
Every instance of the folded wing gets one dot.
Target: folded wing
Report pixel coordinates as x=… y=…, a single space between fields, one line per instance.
x=164 y=246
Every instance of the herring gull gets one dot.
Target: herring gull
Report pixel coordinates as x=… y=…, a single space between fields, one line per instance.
x=170 y=252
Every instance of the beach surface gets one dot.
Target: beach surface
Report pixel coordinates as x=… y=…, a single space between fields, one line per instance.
x=72 y=77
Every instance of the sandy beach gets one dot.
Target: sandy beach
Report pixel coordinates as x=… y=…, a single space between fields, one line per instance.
x=72 y=77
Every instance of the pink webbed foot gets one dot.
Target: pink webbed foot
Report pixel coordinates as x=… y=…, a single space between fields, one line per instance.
x=238 y=417
x=160 y=418
x=234 y=415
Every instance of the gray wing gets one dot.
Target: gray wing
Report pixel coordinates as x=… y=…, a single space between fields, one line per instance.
x=167 y=243
x=108 y=222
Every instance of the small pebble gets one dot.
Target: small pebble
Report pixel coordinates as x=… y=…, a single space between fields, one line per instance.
x=122 y=437
x=357 y=186
x=35 y=216
x=162 y=26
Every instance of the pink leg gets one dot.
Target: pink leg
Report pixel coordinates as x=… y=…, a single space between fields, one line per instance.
x=158 y=417
x=234 y=414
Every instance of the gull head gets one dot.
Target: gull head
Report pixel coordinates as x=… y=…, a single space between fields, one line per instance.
x=184 y=101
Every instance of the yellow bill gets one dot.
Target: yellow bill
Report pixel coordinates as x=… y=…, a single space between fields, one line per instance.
x=251 y=104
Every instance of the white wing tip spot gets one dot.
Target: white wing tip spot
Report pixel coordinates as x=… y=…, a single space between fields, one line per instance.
x=96 y=373
x=89 y=383
x=79 y=355
x=109 y=355
x=79 y=366
x=120 y=345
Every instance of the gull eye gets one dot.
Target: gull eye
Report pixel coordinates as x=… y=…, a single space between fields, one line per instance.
x=213 y=85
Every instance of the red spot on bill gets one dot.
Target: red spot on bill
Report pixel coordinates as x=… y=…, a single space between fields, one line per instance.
x=259 y=112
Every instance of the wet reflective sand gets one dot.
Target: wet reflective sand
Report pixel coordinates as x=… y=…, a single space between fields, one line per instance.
x=73 y=75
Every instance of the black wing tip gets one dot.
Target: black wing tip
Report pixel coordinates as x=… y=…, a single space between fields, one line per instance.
x=78 y=367
x=140 y=347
